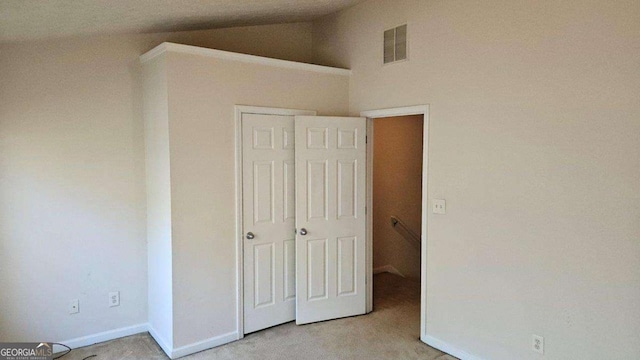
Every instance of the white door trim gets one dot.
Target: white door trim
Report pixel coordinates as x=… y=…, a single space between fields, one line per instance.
x=239 y=110
x=381 y=113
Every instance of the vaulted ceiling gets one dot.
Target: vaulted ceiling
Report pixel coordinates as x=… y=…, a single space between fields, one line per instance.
x=22 y=20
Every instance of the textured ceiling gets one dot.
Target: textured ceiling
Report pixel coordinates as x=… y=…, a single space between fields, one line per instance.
x=22 y=20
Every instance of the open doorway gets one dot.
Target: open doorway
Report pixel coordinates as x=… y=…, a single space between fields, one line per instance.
x=397 y=157
x=397 y=195
x=397 y=216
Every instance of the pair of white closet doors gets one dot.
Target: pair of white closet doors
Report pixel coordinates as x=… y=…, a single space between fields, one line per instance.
x=304 y=226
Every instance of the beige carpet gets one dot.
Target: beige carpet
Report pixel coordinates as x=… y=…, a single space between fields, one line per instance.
x=391 y=331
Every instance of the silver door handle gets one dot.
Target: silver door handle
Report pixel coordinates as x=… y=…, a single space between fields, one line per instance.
x=250 y=235
x=303 y=231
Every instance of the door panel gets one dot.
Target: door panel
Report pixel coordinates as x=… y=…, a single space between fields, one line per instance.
x=289 y=270
x=317 y=280
x=317 y=191
x=289 y=176
x=268 y=192
x=347 y=188
x=263 y=201
x=264 y=259
x=346 y=265
x=330 y=199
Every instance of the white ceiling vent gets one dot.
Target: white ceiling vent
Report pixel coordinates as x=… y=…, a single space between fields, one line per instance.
x=395 y=44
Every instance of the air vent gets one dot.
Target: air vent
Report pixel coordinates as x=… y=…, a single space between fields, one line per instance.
x=395 y=44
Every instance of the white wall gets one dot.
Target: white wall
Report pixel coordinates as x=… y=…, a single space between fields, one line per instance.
x=397 y=191
x=534 y=143
x=158 y=186
x=72 y=213
x=72 y=193
x=202 y=94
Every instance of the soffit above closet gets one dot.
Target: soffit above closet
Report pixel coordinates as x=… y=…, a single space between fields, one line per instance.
x=38 y=20
x=243 y=58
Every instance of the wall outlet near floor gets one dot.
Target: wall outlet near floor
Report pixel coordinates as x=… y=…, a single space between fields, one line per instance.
x=114 y=298
x=74 y=306
x=537 y=344
x=439 y=206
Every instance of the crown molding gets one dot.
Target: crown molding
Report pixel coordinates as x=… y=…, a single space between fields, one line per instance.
x=245 y=58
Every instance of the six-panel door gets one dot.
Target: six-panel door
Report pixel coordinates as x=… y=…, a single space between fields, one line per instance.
x=330 y=185
x=268 y=174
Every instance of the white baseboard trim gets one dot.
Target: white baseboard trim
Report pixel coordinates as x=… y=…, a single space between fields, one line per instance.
x=168 y=349
x=204 y=345
x=105 y=336
x=164 y=345
x=448 y=348
x=388 y=269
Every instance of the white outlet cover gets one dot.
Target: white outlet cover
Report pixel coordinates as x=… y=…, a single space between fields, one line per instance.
x=114 y=298
x=537 y=344
x=439 y=206
x=74 y=306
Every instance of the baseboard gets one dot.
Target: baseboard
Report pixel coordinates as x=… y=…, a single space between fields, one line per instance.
x=141 y=328
x=204 y=345
x=105 y=336
x=388 y=269
x=168 y=349
x=448 y=348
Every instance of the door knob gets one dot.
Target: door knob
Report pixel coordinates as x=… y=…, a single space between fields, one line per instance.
x=303 y=231
x=250 y=235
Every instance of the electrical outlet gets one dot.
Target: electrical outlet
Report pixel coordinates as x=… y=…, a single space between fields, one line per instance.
x=74 y=306
x=537 y=344
x=114 y=298
x=439 y=206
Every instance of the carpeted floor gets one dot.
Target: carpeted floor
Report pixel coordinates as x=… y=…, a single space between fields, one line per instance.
x=391 y=331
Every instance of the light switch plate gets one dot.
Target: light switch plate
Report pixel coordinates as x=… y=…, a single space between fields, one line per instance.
x=439 y=206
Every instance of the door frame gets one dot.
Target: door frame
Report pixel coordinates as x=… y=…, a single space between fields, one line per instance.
x=392 y=112
x=239 y=111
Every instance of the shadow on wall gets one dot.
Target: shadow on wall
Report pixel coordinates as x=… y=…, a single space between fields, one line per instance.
x=397 y=192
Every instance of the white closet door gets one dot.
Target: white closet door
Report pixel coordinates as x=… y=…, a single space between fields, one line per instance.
x=330 y=156
x=268 y=193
